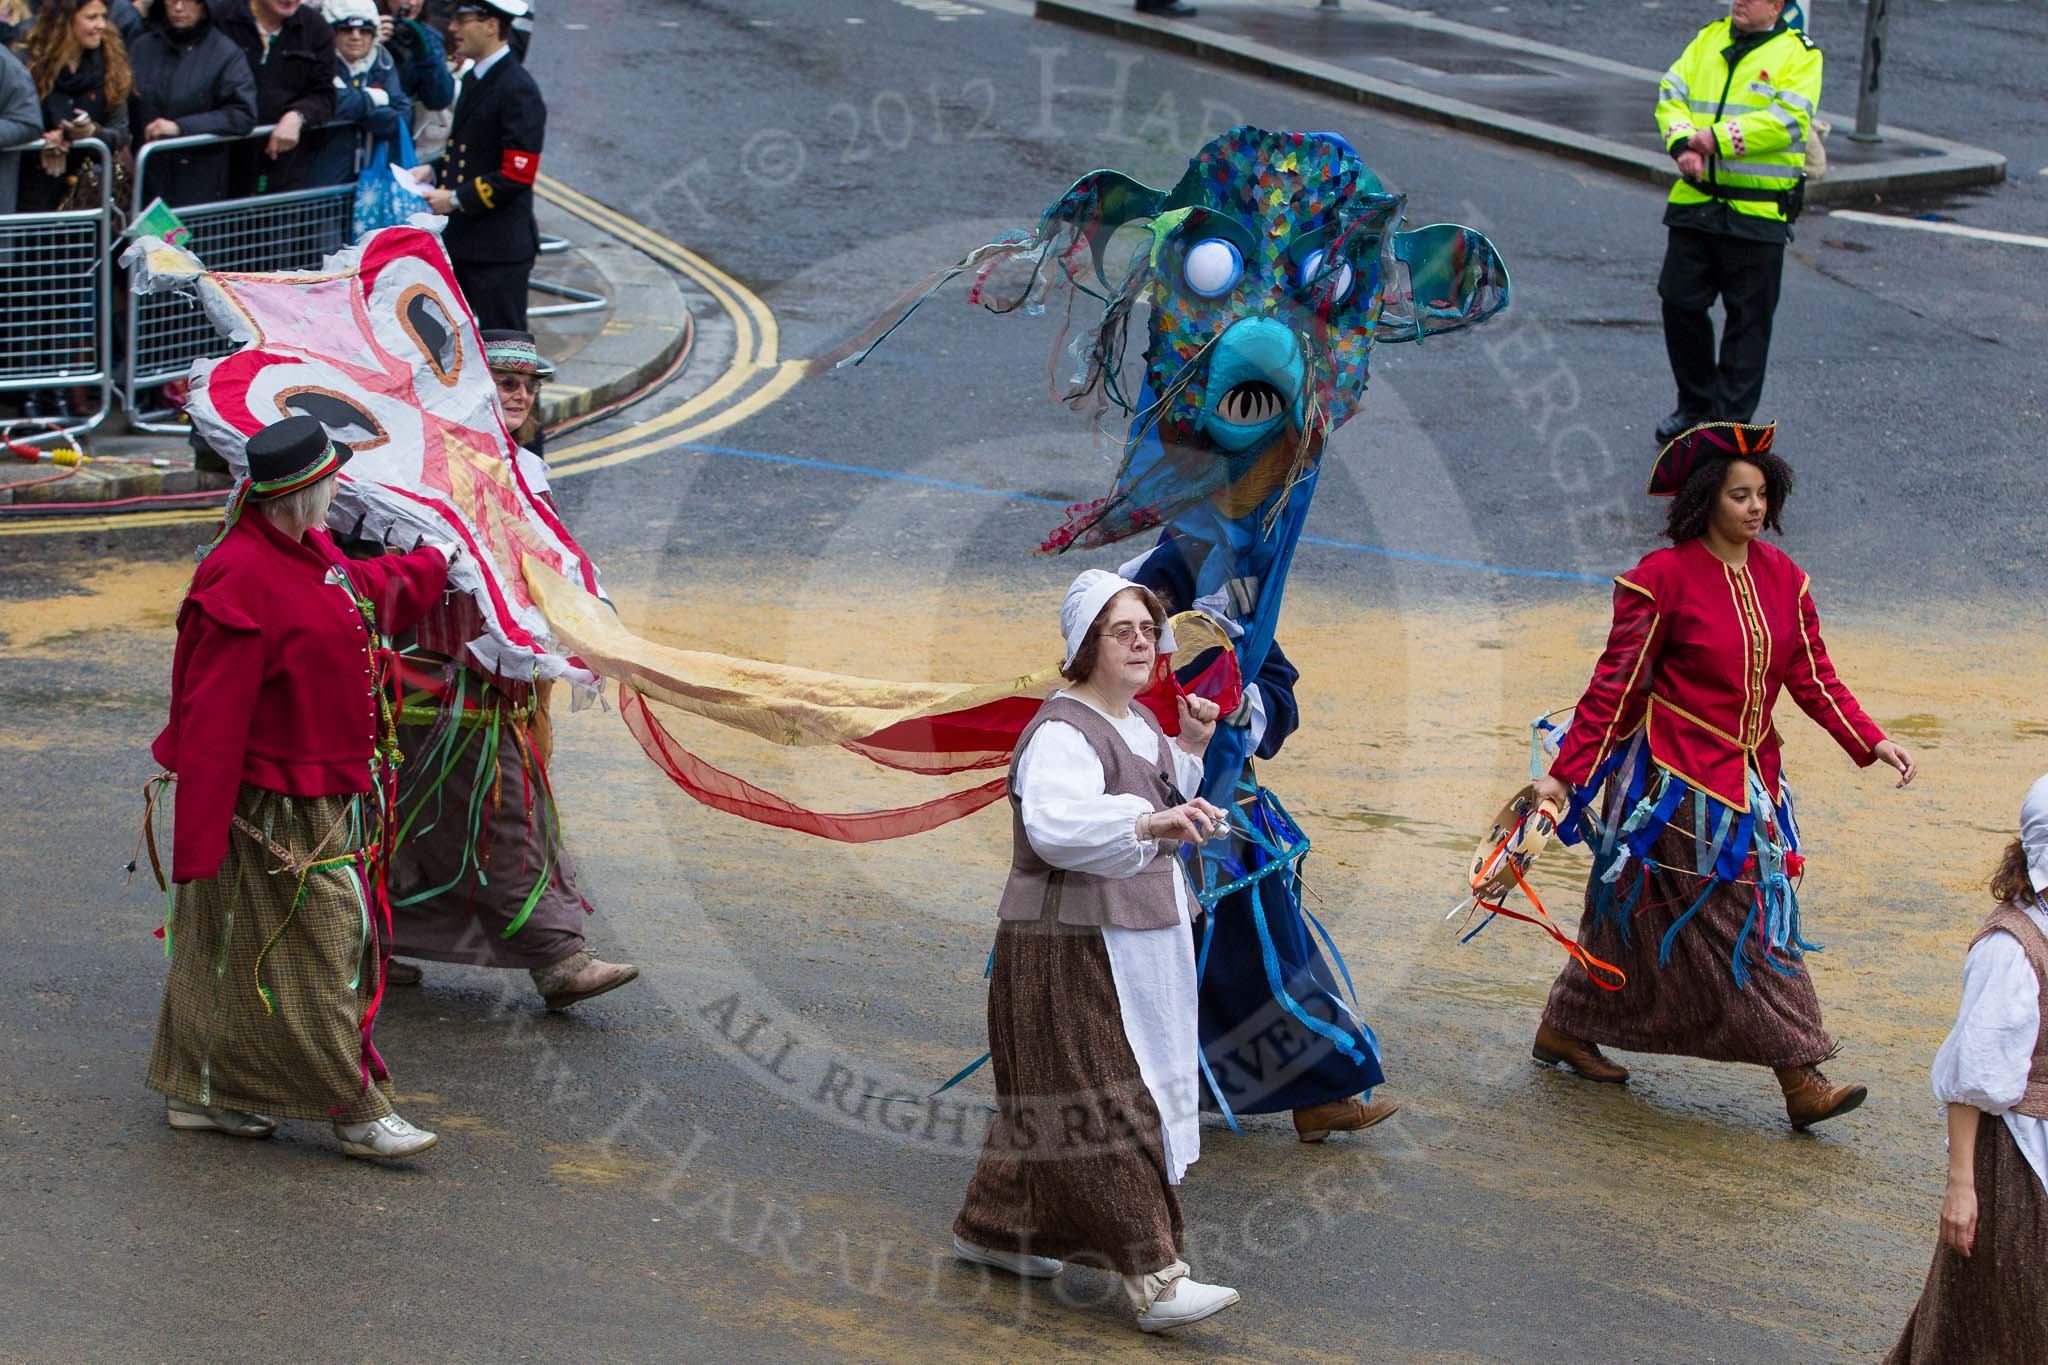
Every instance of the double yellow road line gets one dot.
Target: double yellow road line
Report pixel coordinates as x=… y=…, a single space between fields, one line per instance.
x=752 y=380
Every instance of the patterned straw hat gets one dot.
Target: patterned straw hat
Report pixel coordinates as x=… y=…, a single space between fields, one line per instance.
x=508 y=349
x=1707 y=441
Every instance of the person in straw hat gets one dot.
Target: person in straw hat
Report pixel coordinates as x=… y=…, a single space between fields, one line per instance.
x=1695 y=847
x=279 y=736
x=1092 y=996
x=1983 y=1295
x=482 y=876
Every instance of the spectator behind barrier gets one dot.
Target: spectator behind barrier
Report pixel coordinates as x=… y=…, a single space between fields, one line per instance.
x=128 y=18
x=190 y=79
x=294 y=71
x=21 y=118
x=368 y=97
x=15 y=18
x=82 y=78
x=417 y=46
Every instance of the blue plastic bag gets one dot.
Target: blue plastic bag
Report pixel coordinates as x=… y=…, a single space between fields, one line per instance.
x=381 y=201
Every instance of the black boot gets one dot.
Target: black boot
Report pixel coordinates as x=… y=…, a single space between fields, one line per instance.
x=1675 y=426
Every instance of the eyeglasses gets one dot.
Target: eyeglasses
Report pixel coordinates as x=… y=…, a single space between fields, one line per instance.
x=1127 y=633
x=513 y=383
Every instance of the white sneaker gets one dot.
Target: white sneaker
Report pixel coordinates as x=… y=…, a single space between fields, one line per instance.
x=384 y=1139
x=195 y=1118
x=1016 y=1262
x=1172 y=1299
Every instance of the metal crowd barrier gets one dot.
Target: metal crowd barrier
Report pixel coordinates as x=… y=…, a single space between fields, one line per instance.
x=580 y=300
x=167 y=332
x=57 y=295
x=57 y=284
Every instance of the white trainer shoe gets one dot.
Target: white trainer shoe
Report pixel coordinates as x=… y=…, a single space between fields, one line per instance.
x=383 y=1139
x=196 y=1118
x=1172 y=1299
x=1016 y=1262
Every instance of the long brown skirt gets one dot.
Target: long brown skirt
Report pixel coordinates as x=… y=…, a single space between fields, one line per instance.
x=471 y=910
x=1991 y=1305
x=301 y=1057
x=1691 y=1007
x=1074 y=1164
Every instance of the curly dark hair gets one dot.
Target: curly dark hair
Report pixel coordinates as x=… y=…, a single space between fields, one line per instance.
x=1086 y=656
x=1692 y=511
x=2010 y=884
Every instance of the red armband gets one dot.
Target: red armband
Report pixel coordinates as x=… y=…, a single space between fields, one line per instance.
x=520 y=167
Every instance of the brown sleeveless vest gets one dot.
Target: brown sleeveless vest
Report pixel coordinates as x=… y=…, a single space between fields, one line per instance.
x=2015 y=921
x=1037 y=890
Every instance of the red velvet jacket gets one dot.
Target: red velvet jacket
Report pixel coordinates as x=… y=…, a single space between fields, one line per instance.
x=1700 y=650
x=270 y=684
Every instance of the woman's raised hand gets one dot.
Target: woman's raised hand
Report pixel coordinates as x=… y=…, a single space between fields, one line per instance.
x=1192 y=822
x=1197 y=722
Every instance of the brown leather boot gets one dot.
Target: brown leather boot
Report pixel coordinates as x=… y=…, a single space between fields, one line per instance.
x=1318 y=1121
x=1811 y=1097
x=580 y=976
x=1585 y=1058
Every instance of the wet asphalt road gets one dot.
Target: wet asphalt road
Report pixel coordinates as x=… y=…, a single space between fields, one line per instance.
x=659 y=1175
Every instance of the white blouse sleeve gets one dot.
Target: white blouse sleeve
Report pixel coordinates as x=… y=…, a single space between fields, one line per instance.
x=1986 y=1058
x=1070 y=820
x=531 y=468
x=1187 y=770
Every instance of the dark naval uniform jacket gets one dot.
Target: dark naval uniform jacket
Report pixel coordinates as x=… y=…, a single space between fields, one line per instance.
x=492 y=158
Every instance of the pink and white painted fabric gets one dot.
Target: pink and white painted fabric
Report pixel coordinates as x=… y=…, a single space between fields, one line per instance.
x=379 y=346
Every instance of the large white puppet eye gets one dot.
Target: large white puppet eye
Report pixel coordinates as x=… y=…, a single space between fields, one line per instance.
x=1340 y=282
x=1213 y=267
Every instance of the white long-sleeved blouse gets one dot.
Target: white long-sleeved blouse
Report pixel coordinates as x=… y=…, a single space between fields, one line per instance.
x=1074 y=823
x=1986 y=1058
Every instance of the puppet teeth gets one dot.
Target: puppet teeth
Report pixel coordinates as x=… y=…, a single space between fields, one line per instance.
x=1251 y=403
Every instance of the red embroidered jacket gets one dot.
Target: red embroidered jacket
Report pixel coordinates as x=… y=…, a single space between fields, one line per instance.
x=271 y=681
x=1699 y=651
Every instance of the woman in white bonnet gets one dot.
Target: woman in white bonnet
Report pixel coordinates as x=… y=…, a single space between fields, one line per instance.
x=1984 y=1299
x=1092 y=1001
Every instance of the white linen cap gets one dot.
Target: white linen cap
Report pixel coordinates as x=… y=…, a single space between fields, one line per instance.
x=2034 y=832
x=1086 y=597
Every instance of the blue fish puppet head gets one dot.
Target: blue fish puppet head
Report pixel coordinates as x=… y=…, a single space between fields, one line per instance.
x=1269 y=270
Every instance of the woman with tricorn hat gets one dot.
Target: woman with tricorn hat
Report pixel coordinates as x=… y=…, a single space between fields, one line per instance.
x=280 y=736
x=1092 y=996
x=481 y=875
x=1695 y=847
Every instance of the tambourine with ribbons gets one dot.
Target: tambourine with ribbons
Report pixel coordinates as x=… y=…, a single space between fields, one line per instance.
x=1500 y=864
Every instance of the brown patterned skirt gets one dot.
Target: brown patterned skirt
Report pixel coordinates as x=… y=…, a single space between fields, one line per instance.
x=1690 y=1007
x=1991 y=1305
x=465 y=916
x=1073 y=1165
x=301 y=1057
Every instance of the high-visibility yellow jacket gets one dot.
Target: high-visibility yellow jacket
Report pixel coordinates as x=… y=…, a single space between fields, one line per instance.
x=1758 y=102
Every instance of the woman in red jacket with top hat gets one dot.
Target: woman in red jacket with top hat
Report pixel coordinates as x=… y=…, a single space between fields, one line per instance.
x=1696 y=851
x=280 y=736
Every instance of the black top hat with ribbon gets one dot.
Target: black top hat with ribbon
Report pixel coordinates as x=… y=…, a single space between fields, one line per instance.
x=289 y=455
x=1707 y=441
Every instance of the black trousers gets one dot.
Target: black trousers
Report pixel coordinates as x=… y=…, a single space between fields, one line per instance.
x=1744 y=274
x=496 y=291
